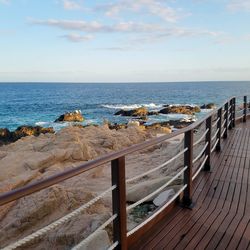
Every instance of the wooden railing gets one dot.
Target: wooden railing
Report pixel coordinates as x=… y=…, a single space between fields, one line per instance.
x=222 y=119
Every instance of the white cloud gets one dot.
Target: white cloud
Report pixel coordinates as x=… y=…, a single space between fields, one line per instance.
x=78 y=38
x=94 y=26
x=239 y=5
x=71 y=5
x=153 y=7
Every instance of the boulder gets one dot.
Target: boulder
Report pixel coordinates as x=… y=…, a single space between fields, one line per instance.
x=208 y=106
x=100 y=241
x=75 y=116
x=182 y=109
x=134 y=112
x=163 y=197
x=142 y=189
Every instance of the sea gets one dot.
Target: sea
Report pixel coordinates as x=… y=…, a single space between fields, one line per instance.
x=41 y=103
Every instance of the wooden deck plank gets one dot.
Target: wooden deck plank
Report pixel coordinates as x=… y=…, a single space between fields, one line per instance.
x=221 y=216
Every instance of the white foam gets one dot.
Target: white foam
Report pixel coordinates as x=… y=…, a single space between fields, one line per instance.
x=132 y=106
x=41 y=123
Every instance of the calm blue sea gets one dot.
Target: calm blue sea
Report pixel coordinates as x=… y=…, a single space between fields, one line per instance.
x=41 y=103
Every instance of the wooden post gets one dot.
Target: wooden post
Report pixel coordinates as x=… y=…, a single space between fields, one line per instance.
x=188 y=162
x=119 y=202
x=245 y=109
x=226 y=118
x=219 y=115
x=231 y=114
x=234 y=111
x=207 y=166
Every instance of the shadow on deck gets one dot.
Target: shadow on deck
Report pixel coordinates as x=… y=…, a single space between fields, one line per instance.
x=220 y=218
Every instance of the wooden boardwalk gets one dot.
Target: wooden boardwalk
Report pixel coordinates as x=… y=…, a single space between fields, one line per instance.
x=220 y=218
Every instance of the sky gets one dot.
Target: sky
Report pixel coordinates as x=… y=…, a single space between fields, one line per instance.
x=124 y=40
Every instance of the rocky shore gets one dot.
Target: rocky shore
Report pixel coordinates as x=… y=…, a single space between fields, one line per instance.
x=37 y=153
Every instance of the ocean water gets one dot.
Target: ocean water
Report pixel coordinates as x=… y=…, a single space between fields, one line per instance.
x=41 y=103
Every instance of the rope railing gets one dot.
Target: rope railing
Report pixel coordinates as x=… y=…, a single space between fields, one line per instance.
x=200 y=154
x=93 y=235
x=223 y=132
x=216 y=122
x=157 y=168
x=201 y=138
x=58 y=222
x=214 y=147
x=156 y=191
x=200 y=168
x=216 y=133
x=156 y=212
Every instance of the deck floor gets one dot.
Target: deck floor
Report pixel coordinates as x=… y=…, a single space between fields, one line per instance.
x=220 y=218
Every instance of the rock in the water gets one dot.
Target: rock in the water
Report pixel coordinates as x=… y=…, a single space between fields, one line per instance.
x=7 y=136
x=140 y=112
x=99 y=242
x=75 y=116
x=208 y=106
x=182 y=109
x=163 y=197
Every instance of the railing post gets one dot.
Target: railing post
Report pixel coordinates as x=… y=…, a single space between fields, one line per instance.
x=188 y=162
x=231 y=114
x=245 y=109
x=119 y=202
x=219 y=115
x=234 y=111
x=226 y=118
x=207 y=166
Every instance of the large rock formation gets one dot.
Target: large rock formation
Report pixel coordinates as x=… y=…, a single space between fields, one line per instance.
x=75 y=116
x=182 y=109
x=7 y=136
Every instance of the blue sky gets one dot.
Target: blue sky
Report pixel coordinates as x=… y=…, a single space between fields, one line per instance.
x=124 y=40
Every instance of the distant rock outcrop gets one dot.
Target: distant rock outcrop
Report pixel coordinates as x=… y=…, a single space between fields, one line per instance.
x=208 y=106
x=133 y=112
x=7 y=136
x=180 y=109
x=75 y=116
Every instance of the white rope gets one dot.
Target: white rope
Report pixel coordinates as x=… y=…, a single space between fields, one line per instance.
x=157 y=212
x=228 y=124
x=223 y=132
x=229 y=117
x=212 y=150
x=198 y=171
x=58 y=222
x=224 y=123
x=157 y=168
x=200 y=154
x=156 y=191
x=216 y=122
x=198 y=141
x=216 y=133
x=113 y=246
x=90 y=237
